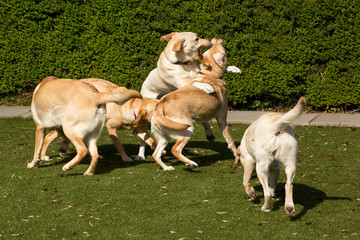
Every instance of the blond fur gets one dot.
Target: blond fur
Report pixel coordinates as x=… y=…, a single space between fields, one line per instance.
x=268 y=142
x=75 y=109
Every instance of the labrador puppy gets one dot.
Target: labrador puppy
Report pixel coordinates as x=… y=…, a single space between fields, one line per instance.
x=267 y=143
x=174 y=114
x=118 y=116
x=75 y=109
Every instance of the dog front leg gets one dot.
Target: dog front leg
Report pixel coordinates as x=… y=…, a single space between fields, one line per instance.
x=119 y=147
x=145 y=139
x=273 y=178
x=208 y=131
x=39 y=140
x=94 y=158
x=233 y=69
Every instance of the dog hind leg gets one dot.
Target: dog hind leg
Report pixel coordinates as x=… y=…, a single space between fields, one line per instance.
x=177 y=151
x=289 y=203
x=162 y=143
x=249 y=165
x=224 y=128
x=39 y=140
x=114 y=137
x=262 y=170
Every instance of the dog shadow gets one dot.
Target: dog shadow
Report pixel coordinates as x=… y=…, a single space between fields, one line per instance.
x=112 y=160
x=304 y=195
x=210 y=153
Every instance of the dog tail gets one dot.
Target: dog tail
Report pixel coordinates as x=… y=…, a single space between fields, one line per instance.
x=120 y=96
x=289 y=117
x=162 y=120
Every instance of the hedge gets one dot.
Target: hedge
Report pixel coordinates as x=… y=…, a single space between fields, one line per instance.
x=284 y=48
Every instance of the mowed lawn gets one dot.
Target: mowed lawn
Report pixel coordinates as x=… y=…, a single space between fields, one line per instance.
x=140 y=201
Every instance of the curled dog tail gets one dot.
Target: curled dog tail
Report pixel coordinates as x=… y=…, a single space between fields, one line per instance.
x=162 y=120
x=289 y=117
x=119 y=96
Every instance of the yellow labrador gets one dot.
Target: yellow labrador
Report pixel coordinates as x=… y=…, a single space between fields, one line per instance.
x=75 y=109
x=117 y=117
x=176 y=68
x=174 y=115
x=268 y=142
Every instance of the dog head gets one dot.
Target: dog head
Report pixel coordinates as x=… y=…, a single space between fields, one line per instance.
x=214 y=59
x=184 y=46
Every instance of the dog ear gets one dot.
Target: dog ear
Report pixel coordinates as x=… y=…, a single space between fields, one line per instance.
x=177 y=46
x=167 y=37
x=220 y=59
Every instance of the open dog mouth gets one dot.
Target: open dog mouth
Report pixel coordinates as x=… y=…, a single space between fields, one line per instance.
x=198 y=55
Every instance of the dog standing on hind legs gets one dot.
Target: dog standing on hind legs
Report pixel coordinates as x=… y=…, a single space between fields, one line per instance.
x=177 y=68
x=174 y=114
x=268 y=142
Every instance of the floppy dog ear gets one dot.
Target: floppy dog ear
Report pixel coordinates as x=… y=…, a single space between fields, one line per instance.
x=219 y=58
x=177 y=46
x=167 y=37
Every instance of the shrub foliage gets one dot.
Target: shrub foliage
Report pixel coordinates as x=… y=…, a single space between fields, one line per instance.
x=284 y=48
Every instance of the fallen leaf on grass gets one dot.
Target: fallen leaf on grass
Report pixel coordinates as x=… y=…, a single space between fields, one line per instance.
x=66 y=208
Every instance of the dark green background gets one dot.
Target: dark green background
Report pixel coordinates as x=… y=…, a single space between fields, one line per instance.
x=284 y=48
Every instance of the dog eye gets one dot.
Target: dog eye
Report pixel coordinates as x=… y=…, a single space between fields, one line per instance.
x=197 y=39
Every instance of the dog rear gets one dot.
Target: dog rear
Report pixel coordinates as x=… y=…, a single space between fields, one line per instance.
x=268 y=141
x=76 y=109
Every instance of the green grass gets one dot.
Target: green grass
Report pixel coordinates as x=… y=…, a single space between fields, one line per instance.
x=140 y=201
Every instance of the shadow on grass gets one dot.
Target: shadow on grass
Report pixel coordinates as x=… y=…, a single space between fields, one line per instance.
x=304 y=195
x=112 y=160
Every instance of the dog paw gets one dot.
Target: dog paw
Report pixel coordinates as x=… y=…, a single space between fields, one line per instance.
x=139 y=158
x=32 y=165
x=290 y=211
x=66 y=167
x=168 y=168
x=252 y=194
x=89 y=173
x=192 y=164
x=62 y=152
x=127 y=159
x=45 y=158
x=204 y=86
x=233 y=69
x=210 y=137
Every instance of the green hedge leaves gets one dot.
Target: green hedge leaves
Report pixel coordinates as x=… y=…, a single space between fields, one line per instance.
x=285 y=49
